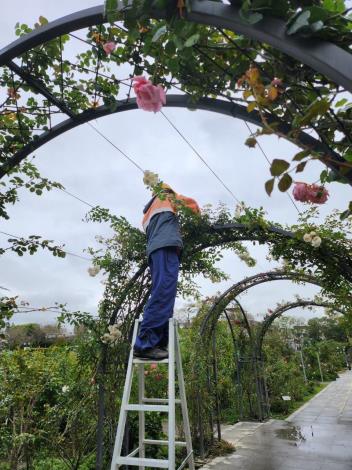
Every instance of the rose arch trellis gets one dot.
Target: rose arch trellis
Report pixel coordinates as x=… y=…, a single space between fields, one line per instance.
x=263 y=399
x=328 y=59
x=256 y=336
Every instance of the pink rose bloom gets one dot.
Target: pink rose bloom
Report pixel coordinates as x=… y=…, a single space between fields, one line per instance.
x=109 y=47
x=317 y=194
x=300 y=192
x=313 y=193
x=149 y=97
x=277 y=82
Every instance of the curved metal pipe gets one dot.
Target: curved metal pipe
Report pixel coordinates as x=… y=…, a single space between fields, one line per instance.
x=250 y=282
x=284 y=308
x=322 y=56
x=174 y=101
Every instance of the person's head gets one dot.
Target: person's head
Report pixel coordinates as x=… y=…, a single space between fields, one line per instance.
x=167 y=188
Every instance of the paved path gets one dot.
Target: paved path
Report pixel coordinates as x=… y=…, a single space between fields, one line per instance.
x=316 y=437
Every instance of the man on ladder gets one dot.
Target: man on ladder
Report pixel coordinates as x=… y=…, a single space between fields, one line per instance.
x=164 y=246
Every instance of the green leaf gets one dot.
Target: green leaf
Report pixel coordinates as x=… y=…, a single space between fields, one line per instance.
x=191 y=41
x=298 y=21
x=250 y=17
x=300 y=167
x=178 y=43
x=251 y=142
x=334 y=176
x=335 y=6
x=110 y=10
x=278 y=167
x=348 y=155
x=160 y=32
x=347 y=213
x=318 y=14
x=280 y=7
x=251 y=106
x=43 y=20
x=269 y=186
x=285 y=182
x=324 y=176
x=300 y=155
x=341 y=102
x=317 y=26
x=173 y=65
x=317 y=108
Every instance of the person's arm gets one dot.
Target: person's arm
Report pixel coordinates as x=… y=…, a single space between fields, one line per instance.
x=189 y=202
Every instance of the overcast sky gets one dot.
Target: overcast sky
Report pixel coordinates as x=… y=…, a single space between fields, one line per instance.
x=90 y=168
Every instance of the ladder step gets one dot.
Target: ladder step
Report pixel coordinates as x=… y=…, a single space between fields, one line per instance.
x=137 y=360
x=162 y=408
x=163 y=443
x=133 y=461
x=160 y=400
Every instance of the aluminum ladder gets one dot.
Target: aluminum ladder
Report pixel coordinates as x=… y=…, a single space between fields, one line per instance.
x=155 y=404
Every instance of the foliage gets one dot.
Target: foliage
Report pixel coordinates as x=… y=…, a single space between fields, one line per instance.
x=46 y=402
x=8 y=305
x=20 y=246
x=48 y=395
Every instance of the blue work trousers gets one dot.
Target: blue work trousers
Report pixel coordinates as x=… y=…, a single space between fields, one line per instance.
x=154 y=330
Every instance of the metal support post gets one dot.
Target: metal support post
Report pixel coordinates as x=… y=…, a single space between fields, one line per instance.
x=321 y=372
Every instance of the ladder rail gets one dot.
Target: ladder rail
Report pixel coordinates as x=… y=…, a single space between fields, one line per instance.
x=171 y=395
x=125 y=399
x=141 y=415
x=183 y=398
x=189 y=456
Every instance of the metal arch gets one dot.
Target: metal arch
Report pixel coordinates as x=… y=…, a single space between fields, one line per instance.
x=248 y=283
x=179 y=101
x=322 y=56
x=284 y=308
x=64 y=25
x=342 y=263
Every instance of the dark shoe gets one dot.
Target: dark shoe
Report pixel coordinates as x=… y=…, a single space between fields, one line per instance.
x=155 y=354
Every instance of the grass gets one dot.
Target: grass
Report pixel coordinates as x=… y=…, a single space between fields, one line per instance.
x=297 y=404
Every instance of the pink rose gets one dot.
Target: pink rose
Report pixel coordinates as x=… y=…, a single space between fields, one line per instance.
x=277 y=82
x=313 y=193
x=139 y=81
x=300 y=192
x=149 y=97
x=109 y=47
x=317 y=194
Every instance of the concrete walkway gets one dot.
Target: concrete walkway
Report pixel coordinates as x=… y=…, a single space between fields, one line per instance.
x=318 y=436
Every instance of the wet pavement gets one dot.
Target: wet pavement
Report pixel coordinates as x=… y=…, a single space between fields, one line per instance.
x=318 y=436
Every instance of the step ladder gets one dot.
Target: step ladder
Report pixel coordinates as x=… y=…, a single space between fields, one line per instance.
x=155 y=404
